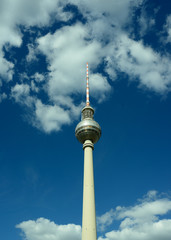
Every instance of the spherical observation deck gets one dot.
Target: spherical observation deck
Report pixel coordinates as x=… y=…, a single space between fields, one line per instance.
x=87 y=129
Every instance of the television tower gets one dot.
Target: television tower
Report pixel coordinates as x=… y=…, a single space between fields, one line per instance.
x=88 y=132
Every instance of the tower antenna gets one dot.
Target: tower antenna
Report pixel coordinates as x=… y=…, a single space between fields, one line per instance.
x=87 y=89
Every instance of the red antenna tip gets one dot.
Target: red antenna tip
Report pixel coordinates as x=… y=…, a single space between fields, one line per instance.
x=87 y=88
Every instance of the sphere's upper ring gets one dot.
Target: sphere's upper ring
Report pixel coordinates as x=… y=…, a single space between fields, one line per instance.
x=88 y=129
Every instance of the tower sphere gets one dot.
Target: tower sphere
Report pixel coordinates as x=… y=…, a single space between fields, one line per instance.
x=87 y=128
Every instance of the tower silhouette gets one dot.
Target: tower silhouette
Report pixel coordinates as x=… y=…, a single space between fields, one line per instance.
x=88 y=132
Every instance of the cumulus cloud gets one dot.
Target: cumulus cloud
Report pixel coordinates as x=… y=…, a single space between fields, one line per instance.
x=6 y=70
x=146 y=23
x=67 y=51
x=13 y=13
x=31 y=56
x=116 y=11
x=38 y=77
x=156 y=231
x=168 y=28
x=21 y=94
x=28 y=14
x=45 y=229
x=141 y=63
x=44 y=116
x=2 y=96
x=143 y=221
x=50 y=118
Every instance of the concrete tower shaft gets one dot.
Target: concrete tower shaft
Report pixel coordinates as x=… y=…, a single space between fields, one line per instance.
x=89 y=213
x=88 y=132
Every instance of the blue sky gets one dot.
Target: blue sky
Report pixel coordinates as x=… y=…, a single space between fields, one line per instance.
x=44 y=47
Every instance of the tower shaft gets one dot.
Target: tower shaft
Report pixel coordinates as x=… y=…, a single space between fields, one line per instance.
x=89 y=213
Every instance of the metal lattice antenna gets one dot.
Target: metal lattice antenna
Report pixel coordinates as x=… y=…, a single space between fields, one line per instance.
x=87 y=89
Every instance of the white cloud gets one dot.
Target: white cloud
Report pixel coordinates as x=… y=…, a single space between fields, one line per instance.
x=44 y=229
x=117 y=12
x=34 y=88
x=146 y=21
x=43 y=116
x=160 y=230
x=168 y=28
x=29 y=13
x=67 y=51
x=38 y=77
x=143 y=221
x=6 y=69
x=50 y=118
x=140 y=222
x=105 y=220
x=141 y=63
x=99 y=86
x=31 y=56
x=2 y=96
x=23 y=13
x=21 y=94
x=146 y=24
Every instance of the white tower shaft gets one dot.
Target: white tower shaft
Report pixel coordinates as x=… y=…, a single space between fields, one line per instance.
x=89 y=213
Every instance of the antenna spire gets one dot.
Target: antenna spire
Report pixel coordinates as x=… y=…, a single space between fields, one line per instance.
x=87 y=89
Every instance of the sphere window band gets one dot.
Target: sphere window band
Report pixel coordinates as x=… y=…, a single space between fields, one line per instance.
x=88 y=130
